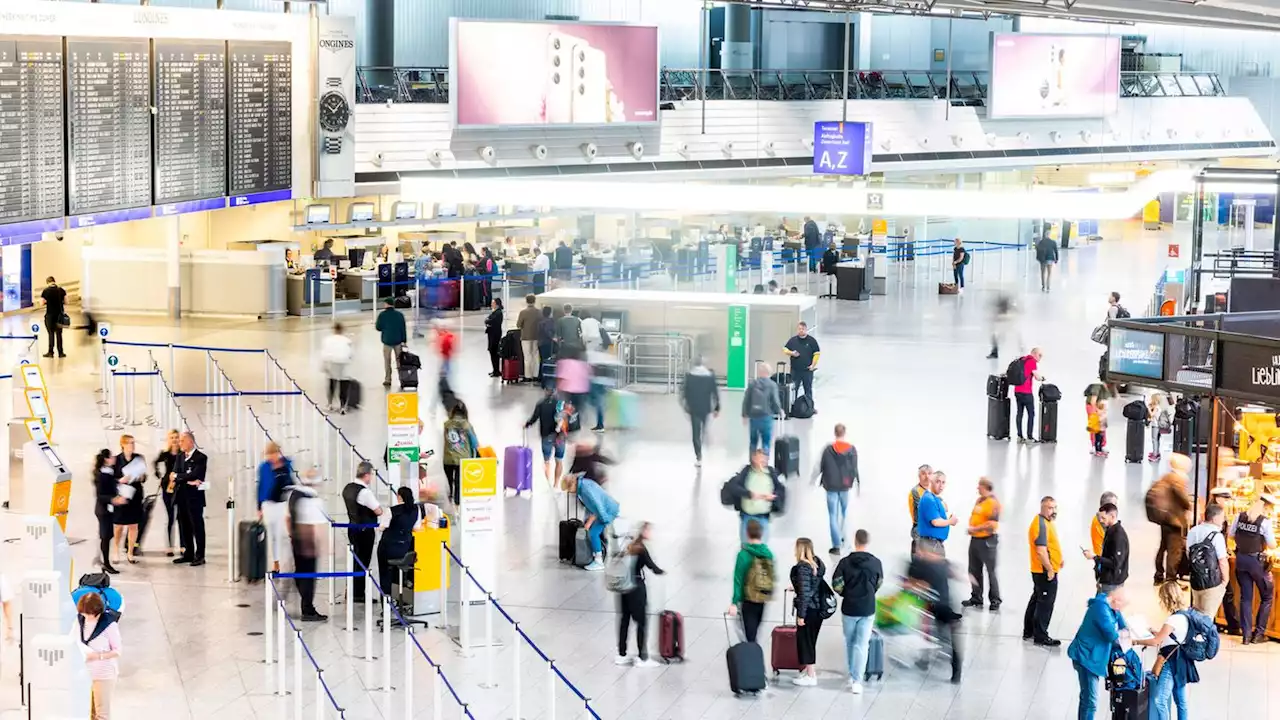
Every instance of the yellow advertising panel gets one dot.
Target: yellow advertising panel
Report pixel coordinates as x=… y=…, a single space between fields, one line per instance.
x=402 y=409
x=426 y=570
x=879 y=226
x=479 y=477
x=1151 y=212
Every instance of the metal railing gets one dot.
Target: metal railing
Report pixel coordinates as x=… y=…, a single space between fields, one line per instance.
x=652 y=359
x=968 y=88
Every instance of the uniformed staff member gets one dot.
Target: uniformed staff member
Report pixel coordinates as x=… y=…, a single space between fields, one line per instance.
x=362 y=509
x=924 y=478
x=1254 y=536
x=984 y=526
x=1046 y=561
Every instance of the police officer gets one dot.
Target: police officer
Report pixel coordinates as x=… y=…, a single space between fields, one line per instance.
x=1254 y=536
x=362 y=509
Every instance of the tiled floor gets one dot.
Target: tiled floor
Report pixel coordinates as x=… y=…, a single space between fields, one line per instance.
x=904 y=372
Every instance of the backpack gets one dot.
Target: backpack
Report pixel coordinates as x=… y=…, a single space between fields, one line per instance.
x=606 y=341
x=758 y=404
x=1124 y=670
x=1157 y=510
x=1122 y=313
x=457 y=444
x=620 y=573
x=1202 y=636
x=1136 y=410
x=827 y=603
x=1016 y=374
x=758 y=587
x=965 y=260
x=1206 y=572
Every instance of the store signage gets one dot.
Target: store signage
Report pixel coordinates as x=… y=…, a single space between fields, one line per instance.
x=191 y=206
x=109 y=217
x=402 y=427
x=1136 y=352
x=841 y=148
x=1249 y=368
x=1174 y=250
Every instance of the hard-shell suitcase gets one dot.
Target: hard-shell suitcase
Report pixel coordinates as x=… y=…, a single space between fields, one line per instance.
x=517 y=469
x=512 y=368
x=509 y=346
x=408 y=377
x=786 y=455
x=875 y=657
x=998 y=418
x=997 y=386
x=784 y=648
x=582 y=554
x=568 y=537
x=746 y=666
x=1130 y=704
x=670 y=636
x=253 y=550
x=1135 y=441
x=1048 y=422
x=352 y=394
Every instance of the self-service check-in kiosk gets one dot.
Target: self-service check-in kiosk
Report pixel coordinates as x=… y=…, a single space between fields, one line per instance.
x=46 y=481
x=29 y=401
x=58 y=677
x=43 y=547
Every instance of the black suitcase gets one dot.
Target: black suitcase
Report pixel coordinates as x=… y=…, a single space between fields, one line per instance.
x=997 y=386
x=253 y=550
x=783 y=380
x=148 y=505
x=473 y=296
x=746 y=665
x=569 y=529
x=998 y=418
x=786 y=455
x=408 y=377
x=509 y=347
x=1130 y=704
x=1135 y=445
x=1048 y=422
x=352 y=394
x=407 y=359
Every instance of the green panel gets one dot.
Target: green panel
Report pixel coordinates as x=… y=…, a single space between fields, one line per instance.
x=737 y=371
x=729 y=269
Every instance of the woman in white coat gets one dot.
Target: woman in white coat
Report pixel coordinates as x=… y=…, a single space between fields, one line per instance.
x=336 y=353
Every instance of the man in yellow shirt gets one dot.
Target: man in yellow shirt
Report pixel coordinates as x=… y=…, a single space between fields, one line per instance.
x=984 y=524
x=1096 y=529
x=1046 y=561
x=924 y=478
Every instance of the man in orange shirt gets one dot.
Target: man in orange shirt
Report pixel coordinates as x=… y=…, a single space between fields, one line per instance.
x=1046 y=561
x=984 y=524
x=924 y=479
x=1096 y=529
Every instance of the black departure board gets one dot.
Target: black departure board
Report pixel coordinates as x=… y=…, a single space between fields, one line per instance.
x=32 y=153
x=260 y=95
x=191 y=120
x=109 y=115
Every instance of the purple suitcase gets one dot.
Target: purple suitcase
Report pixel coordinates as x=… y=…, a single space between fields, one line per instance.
x=517 y=468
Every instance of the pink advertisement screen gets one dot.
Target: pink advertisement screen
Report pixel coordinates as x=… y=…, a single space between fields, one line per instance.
x=514 y=73
x=1044 y=76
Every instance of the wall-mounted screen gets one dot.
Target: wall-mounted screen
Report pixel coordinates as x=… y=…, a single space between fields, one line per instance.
x=446 y=211
x=1053 y=76
x=361 y=212
x=32 y=159
x=541 y=73
x=317 y=214
x=1136 y=352
x=404 y=210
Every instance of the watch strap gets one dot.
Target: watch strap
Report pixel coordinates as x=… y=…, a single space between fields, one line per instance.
x=331 y=145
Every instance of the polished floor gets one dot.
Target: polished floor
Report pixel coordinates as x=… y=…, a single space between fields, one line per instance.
x=904 y=372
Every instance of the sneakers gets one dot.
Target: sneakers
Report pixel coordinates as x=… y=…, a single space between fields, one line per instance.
x=1101 y=453
x=855 y=687
x=995 y=606
x=804 y=681
x=1048 y=642
x=834 y=551
x=971 y=604
x=646 y=663
x=314 y=617
x=622 y=660
x=596 y=564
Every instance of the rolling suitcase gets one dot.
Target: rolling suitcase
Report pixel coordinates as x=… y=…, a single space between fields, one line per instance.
x=786 y=455
x=783 y=380
x=670 y=636
x=352 y=394
x=998 y=418
x=997 y=386
x=253 y=550
x=784 y=649
x=569 y=530
x=408 y=378
x=406 y=359
x=512 y=369
x=875 y=657
x=1130 y=704
x=746 y=665
x=1135 y=441
x=1048 y=422
x=517 y=469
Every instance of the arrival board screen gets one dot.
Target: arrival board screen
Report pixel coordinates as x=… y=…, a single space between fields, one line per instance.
x=32 y=153
x=191 y=120
x=260 y=97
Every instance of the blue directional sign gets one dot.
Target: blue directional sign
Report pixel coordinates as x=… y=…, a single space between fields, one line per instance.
x=841 y=148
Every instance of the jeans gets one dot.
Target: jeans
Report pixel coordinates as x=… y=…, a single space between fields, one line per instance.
x=837 y=505
x=1035 y=621
x=1046 y=275
x=957 y=274
x=1088 y=692
x=1251 y=573
x=801 y=378
x=698 y=425
x=632 y=608
x=760 y=429
x=764 y=525
x=1166 y=694
x=594 y=535
x=1026 y=402
x=857 y=640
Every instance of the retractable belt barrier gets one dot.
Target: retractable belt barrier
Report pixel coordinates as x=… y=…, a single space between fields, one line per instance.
x=326 y=706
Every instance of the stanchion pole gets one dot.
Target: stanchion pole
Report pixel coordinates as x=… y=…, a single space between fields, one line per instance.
x=333 y=581
x=437 y=692
x=208 y=375
x=464 y=610
x=516 y=670
x=266 y=378
x=173 y=365
x=551 y=688
x=408 y=672
x=488 y=639
x=269 y=621
x=368 y=616
x=231 y=535
x=351 y=589
x=319 y=696
x=444 y=585
x=386 y=644
x=281 y=689
x=297 y=675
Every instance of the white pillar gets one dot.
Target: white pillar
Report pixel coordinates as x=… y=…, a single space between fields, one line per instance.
x=173 y=257
x=863 y=47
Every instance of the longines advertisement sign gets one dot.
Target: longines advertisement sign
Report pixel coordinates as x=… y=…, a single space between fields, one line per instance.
x=1253 y=369
x=335 y=116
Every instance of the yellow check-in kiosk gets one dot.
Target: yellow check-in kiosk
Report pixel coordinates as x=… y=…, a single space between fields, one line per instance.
x=427 y=570
x=46 y=481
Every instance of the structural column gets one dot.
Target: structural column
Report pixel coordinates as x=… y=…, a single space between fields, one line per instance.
x=378 y=44
x=736 y=51
x=173 y=265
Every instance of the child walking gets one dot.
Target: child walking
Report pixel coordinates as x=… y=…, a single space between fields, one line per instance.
x=1097 y=426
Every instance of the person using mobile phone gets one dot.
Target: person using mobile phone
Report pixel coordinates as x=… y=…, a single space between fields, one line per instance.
x=1111 y=566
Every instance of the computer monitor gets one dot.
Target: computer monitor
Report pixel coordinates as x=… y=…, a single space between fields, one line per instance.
x=356 y=256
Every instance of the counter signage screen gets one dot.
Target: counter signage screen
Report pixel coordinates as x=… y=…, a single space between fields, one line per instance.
x=1249 y=368
x=841 y=148
x=259 y=117
x=1053 y=76
x=1137 y=352
x=541 y=73
x=405 y=210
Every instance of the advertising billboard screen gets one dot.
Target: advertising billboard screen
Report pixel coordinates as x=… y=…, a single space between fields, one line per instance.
x=1136 y=352
x=841 y=148
x=1053 y=76
x=542 y=73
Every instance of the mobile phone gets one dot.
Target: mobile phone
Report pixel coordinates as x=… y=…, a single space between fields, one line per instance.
x=557 y=94
x=590 y=85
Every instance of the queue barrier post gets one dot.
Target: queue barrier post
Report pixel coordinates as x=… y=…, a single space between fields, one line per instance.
x=333 y=581
x=268 y=621
x=437 y=694
x=351 y=584
x=386 y=643
x=208 y=375
x=464 y=611
x=231 y=534
x=281 y=690
x=444 y=584
x=297 y=674
x=368 y=616
x=516 y=669
x=408 y=672
x=551 y=688
x=489 y=681
x=318 y=701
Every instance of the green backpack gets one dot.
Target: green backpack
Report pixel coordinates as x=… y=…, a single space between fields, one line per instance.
x=759 y=585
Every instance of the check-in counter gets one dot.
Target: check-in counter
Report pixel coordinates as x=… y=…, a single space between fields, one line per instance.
x=215 y=283
x=301 y=288
x=359 y=285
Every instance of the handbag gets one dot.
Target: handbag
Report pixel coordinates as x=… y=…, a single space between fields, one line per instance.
x=1101 y=334
x=64 y=320
x=827 y=601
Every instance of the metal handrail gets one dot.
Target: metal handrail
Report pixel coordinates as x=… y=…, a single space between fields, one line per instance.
x=653 y=359
x=431 y=85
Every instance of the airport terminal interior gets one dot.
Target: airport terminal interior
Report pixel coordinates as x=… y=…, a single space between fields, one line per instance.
x=202 y=193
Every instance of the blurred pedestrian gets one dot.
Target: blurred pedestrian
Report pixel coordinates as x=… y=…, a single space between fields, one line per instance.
x=307 y=527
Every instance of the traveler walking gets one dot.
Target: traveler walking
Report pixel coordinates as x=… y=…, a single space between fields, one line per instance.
x=307 y=526
x=163 y=466
x=1047 y=256
x=1111 y=566
x=959 y=259
x=589 y=461
x=756 y=493
x=838 y=471
x=98 y=633
x=601 y=510
x=553 y=432
x=700 y=398
x=924 y=480
x=1002 y=324
x=1169 y=506
x=569 y=333
x=857 y=578
x=804 y=352
x=337 y=353
x=633 y=605
x=753 y=578
x=812 y=243
x=131 y=469
x=546 y=345
x=106 y=500
x=1090 y=651
x=1254 y=535
x=1207 y=555
x=527 y=323
x=493 y=329
x=390 y=324
x=1174 y=669
x=459 y=444
x=1024 y=391
x=55 y=312
x=189 y=475
x=363 y=510
x=935 y=520
x=930 y=573
x=760 y=405
x=446 y=345
x=807 y=580
x=1116 y=311
x=1046 y=561
x=984 y=526
x=275 y=478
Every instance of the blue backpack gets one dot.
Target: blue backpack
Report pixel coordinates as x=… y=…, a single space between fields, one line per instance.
x=1202 y=641
x=1124 y=670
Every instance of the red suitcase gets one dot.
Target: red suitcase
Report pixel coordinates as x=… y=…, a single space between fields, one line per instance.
x=671 y=636
x=784 y=652
x=511 y=370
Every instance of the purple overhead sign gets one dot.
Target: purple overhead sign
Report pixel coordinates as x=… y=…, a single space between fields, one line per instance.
x=841 y=148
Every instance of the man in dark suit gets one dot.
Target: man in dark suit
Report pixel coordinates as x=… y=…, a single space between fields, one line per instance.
x=189 y=479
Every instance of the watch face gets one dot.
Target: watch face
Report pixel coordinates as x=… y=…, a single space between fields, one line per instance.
x=334 y=112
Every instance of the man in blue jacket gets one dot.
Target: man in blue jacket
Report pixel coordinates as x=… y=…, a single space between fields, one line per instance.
x=391 y=327
x=1090 y=651
x=275 y=475
x=933 y=519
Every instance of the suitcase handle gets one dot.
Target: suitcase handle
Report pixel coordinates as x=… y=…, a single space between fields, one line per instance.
x=728 y=631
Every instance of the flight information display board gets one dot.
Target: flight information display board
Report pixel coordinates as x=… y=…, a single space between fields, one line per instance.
x=109 y=116
x=191 y=120
x=32 y=152
x=260 y=98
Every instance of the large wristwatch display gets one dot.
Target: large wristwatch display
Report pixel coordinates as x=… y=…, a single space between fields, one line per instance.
x=335 y=113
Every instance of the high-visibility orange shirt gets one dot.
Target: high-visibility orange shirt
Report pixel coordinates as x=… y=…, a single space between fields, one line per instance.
x=986 y=510
x=913 y=501
x=1043 y=533
x=1096 y=531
